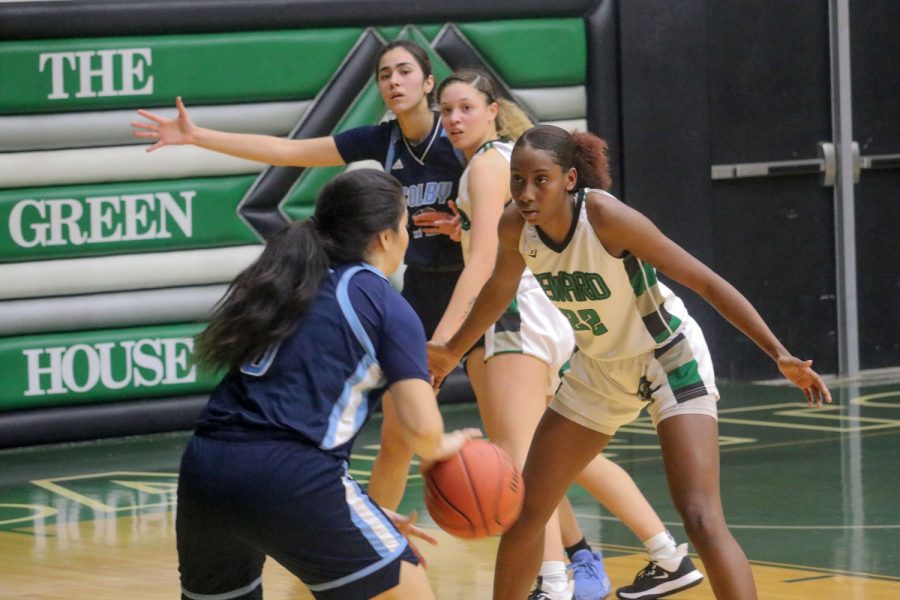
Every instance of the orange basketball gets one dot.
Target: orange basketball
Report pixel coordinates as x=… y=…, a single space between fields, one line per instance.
x=476 y=492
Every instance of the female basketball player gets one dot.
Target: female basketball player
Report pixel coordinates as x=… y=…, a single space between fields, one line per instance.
x=514 y=368
x=637 y=347
x=311 y=335
x=413 y=148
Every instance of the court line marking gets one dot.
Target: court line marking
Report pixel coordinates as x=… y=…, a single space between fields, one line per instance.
x=780 y=527
x=763 y=563
x=51 y=485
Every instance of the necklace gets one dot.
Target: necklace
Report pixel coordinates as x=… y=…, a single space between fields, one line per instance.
x=421 y=159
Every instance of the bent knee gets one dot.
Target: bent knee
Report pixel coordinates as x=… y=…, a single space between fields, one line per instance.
x=703 y=519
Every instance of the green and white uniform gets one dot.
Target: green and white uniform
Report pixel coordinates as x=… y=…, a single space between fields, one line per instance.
x=636 y=342
x=531 y=325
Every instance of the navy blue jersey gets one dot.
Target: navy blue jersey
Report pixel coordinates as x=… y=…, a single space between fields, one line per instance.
x=323 y=381
x=429 y=173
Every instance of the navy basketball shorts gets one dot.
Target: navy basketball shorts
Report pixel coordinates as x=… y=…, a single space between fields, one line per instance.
x=239 y=501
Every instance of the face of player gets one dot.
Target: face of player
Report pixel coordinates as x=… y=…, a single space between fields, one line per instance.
x=401 y=81
x=541 y=189
x=467 y=117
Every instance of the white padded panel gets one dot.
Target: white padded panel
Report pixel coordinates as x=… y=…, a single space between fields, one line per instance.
x=124 y=272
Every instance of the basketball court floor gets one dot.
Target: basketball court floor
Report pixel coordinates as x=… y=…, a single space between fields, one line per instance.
x=812 y=495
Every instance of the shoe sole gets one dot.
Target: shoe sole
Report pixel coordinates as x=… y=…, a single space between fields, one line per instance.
x=682 y=583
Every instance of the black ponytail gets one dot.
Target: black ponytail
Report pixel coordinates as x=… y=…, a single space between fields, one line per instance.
x=268 y=298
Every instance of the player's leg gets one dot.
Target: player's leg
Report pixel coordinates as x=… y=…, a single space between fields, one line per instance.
x=559 y=451
x=614 y=488
x=512 y=402
x=212 y=559
x=390 y=470
x=681 y=383
x=690 y=447
x=585 y=563
x=413 y=584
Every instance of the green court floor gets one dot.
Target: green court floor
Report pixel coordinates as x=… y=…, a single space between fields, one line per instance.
x=809 y=489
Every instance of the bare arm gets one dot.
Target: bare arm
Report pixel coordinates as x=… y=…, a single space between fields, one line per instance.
x=421 y=421
x=496 y=294
x=488 y=184
x=621 y=228
x=313 y=152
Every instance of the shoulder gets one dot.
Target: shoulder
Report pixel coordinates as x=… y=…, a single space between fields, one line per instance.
x=371 y=133
x=489 y=164
x=602 y=207
x=368 y=281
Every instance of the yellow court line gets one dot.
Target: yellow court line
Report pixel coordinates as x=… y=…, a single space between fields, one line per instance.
x=807 y=415
x=51 y=486
x=776 y=424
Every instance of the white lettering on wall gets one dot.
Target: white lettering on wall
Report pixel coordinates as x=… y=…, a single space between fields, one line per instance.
x=107 y=219
x=80 y=368
x=99 y=67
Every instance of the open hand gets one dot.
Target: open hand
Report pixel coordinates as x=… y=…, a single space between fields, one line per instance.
x=800 y=373
x=166 y=132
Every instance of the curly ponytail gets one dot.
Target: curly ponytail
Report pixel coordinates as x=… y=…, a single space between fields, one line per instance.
x=584 y=151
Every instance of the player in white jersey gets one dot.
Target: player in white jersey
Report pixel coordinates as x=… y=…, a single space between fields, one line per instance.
x=515 y=372
x=637 y=347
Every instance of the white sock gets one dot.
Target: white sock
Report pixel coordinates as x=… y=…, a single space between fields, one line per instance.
x=663 y=550
x=555 y=577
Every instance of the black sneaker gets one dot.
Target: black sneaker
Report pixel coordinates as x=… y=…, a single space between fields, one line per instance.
x=539 y=594
x=655 y=582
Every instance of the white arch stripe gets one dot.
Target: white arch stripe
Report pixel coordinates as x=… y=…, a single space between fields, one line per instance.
x=113 y=127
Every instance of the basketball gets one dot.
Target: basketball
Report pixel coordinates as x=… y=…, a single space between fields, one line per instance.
x=475 y=493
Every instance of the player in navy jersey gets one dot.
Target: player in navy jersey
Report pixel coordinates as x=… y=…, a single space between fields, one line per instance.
x=311 y=335
x=413 y=148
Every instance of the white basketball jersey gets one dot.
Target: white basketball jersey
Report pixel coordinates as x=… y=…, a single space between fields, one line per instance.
x=616 y=306
x=464 y=202
x=532 y=325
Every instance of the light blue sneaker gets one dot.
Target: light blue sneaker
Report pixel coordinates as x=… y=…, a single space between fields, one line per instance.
x=589 y=576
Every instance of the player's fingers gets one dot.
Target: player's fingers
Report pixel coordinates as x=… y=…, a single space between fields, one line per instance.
x=826 y=393
x=155 y=146
x=147 y=135
x=150 y=116
x=472 y=432
x=452 y=206
x=418 y=554
x=182 y=111
x=144 y=125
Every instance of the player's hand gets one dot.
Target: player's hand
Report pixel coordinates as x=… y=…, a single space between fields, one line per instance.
x=451 y=443
x=435 y=222
x=407 y=526
x=440 y=361
x=166 y=132
x=800 y=373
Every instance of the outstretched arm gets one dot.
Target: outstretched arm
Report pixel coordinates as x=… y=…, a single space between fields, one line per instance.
x=621 y=229
x=313 y=152
x=496 y=294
